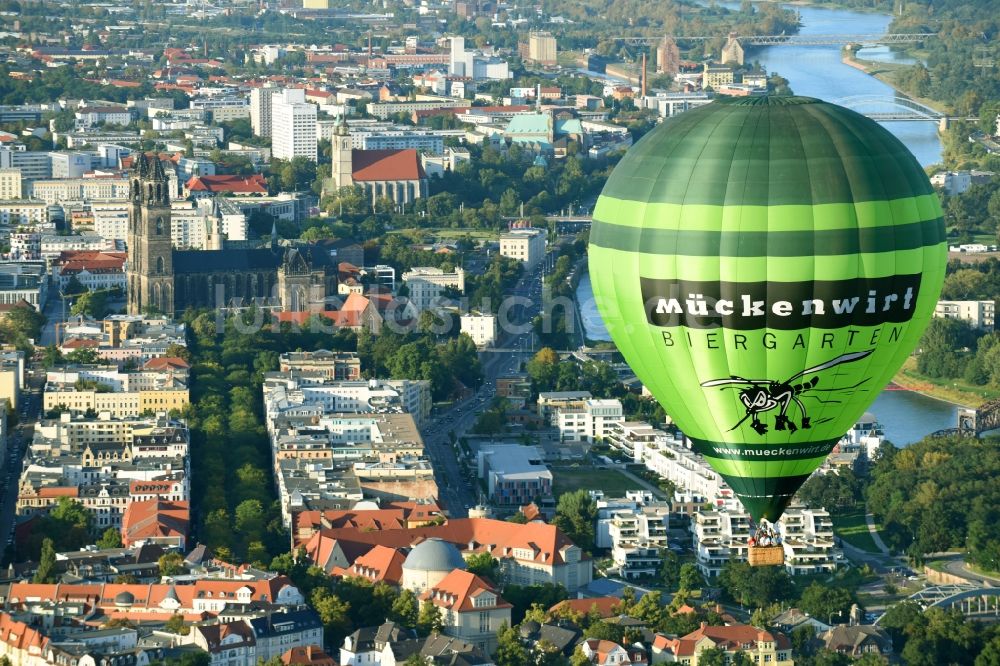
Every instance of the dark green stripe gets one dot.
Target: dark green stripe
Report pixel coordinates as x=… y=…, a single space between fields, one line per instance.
x=730 y=153
x=761 y=452
x=765 y=497
x=889 y=238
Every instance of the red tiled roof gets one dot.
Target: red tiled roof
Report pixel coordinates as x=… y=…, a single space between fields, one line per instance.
x=380 y=564
x=458 y=590
x=728 y=638
x=92 y=261
x=310 y=655
x=154 y=518
x=166 y=363
x=255 y=184
x=544 y=543
x=77 y=343
x=387 y=165
x=605 y=606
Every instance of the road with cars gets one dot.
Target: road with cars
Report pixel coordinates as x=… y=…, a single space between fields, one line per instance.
x=457 y=490
x=19 y=437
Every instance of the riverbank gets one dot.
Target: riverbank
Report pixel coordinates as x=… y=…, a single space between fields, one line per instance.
x=885 y=72
x=954 y=391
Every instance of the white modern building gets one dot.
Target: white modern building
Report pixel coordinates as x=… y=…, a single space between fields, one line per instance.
x=515 y=475
x=293 y=126
x=481 y=327
x=807 y=537
x=525 y=245
x=978 y=314
x=260 y=109
x=635 y=529
x=591 y=422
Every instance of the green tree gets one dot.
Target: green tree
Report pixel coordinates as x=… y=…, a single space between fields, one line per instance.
x=824 y=601
x=429 y=620
x=575 y=515
x=483 y=565
x=712 y=656
x=176 y=625
x=689 y=577
x=46 y=563
x=333 y=613
x=171 y=564
x=406 y=609
x=110 y=539
x=510 y=651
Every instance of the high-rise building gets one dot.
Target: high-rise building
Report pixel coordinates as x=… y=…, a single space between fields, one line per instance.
x=260 y=110
x=668 y=57
x=293 y=126
x=542 y=48
x=457 y=62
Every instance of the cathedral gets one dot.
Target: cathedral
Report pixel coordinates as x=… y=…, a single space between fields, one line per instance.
x=296 y=278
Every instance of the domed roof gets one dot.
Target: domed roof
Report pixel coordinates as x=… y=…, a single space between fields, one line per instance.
x=124 y=599
x=434 y=555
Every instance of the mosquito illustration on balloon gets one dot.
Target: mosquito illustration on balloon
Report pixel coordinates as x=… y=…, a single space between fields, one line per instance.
x=764 y=395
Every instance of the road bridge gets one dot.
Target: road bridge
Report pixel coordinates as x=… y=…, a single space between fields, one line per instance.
x=886 y=107
x=968 y=599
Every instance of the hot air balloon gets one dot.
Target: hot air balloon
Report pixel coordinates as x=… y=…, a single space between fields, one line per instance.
x=765 y=265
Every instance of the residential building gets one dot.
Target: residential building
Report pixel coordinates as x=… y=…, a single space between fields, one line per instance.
x=16 y=212
x=471 y=609
x=591 y=422
x=293 y=126
x=978 y=314
x=857 y=640
x=10 y=184
x=515 y=475
x=94 y=270
x=807 y=538
x=11 y=380
x=391 y=645
x=635 y=529
x=122 y=394
x=602 y=652
x=762 y=647
x=715 y=76
x=481 y=327
x=426 y=285
x=163 y=522
x=525 y=245
x=77 y=189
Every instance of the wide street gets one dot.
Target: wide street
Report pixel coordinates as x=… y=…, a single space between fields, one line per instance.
x=457 y=492
x=20 y=437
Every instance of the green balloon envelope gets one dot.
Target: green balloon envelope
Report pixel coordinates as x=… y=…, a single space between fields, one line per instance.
x=765 y=265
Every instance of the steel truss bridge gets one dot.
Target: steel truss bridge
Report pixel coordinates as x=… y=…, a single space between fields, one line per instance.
x=883 y=107
x=968 y=599
x=803 y=40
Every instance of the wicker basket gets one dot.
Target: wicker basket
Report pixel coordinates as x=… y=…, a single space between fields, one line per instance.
x=762 y=556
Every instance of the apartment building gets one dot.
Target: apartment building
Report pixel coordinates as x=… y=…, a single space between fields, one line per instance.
x=978 y=314
x=515 y=475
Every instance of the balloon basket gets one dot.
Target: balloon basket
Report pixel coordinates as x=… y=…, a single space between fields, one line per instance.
x=765 y=556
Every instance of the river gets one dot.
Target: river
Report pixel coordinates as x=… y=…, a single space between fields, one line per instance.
x=817 y=71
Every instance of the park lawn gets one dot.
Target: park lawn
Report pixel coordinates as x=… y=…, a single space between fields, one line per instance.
x=452 y=234
x=852 y=528
x=952 y=390
x=612 y=482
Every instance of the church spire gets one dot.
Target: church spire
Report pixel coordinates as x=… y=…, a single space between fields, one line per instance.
x=274 y=234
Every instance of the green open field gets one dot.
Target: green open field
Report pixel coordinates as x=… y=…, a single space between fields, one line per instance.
x=612 y=482
x=851 y=527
